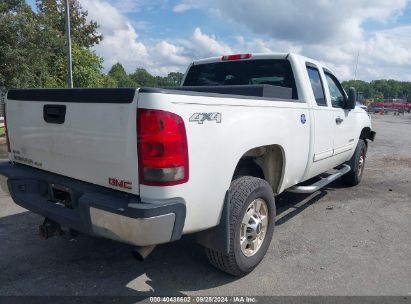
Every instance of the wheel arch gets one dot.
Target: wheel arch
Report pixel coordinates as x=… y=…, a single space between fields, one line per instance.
x=367 y=134
x=266 y=162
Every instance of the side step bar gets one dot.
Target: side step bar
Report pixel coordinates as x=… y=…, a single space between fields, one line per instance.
x=322 y=182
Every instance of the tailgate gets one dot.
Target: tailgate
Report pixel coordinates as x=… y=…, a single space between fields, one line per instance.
x=86 y=134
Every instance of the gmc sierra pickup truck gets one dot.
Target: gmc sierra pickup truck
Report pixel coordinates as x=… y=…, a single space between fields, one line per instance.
x=145 y=166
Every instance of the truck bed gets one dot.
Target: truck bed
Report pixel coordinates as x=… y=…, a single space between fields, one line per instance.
x=261 y=90
x=236 y=91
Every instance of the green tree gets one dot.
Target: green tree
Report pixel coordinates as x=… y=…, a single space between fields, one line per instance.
x=395 y=88
x=381 y=89
x=22 y=61
x=86 y=70
x=118 y=73
x=32 y=46
x=174 y=79
x=381 y=86
x=379 y=96
x=52 y=14
x=143 y=78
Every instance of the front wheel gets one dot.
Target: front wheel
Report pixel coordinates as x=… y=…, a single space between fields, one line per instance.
x=252 y=220
x=357 y=163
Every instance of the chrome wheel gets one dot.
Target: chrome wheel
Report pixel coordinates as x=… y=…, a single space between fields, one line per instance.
x=254 y=227
x=361 y=162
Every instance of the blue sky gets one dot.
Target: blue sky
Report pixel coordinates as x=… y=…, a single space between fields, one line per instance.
x=165 y=35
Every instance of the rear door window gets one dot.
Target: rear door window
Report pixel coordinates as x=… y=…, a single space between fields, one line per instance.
x=317 y=85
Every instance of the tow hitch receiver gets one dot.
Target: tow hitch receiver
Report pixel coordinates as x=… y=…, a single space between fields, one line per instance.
x=49 y=228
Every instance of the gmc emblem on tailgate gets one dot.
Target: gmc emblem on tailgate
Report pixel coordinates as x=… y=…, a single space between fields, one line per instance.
x=119 y=183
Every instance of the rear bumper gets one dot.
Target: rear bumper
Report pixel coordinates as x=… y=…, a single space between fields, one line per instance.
x=96 y=210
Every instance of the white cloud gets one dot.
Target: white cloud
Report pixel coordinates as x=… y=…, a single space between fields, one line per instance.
x=392 y=46
x=208 y=45
x=304 y=21
x=383 y=54
x=258 y=45
x=186 y=5
x=121 y=42
x=172 y=53
x=123 y=46
x=182 y=8
x=108 y=17
x=130 y=6
x=328 y=30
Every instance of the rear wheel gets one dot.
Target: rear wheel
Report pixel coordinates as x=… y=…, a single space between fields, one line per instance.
x=357 y=164
x=252 y=219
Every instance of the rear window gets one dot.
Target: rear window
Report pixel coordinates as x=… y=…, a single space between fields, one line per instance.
x=275 y=72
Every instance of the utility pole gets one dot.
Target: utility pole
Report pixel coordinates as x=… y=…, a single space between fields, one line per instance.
x=68 y=43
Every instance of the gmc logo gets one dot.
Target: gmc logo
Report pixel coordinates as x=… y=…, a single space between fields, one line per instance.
x=119 y=183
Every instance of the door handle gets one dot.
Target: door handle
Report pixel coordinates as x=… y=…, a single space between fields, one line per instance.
x=55 y=114
x=339 y=120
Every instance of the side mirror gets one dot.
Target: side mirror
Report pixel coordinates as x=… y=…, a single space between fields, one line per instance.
x=352 y=96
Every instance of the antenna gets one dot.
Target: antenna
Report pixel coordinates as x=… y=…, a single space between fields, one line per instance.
x=356 y=66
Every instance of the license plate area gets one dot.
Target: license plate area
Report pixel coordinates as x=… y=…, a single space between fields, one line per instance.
x=61 y=195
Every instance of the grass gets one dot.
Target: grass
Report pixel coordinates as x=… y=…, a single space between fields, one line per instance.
x=2 y=131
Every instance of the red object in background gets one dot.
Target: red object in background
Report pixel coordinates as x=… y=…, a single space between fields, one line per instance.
x=393 y=105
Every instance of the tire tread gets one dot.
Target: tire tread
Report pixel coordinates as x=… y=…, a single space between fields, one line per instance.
x=351 y=178
x=240 y=189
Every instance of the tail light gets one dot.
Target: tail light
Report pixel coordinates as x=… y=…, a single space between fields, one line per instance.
x=236 y=57
x=162 y=148
x=5 y=128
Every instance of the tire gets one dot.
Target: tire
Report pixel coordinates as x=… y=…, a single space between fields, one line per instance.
x=246 y=194
x=357 y=164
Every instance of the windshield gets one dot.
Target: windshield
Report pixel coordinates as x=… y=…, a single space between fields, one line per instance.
x=275 y=72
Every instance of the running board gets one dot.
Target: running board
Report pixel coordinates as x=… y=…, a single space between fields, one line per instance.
x=322 y=182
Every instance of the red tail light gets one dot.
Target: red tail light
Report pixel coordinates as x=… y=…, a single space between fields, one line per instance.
x=236 y=57
x=5 y=129
x=162 y=148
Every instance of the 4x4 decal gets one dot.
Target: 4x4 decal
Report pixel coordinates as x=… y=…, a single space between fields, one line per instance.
x=201 y=117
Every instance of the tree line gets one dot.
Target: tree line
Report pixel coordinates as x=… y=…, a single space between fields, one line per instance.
x=142 y=78
x=33 y=54
x=381 y=89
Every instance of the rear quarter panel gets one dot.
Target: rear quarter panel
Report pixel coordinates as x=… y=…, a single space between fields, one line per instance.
x=215 y=148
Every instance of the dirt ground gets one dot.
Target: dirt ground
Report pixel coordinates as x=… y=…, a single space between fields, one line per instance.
x=338 y=241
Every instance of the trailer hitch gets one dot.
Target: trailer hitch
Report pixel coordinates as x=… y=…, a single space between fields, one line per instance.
x=49 y=228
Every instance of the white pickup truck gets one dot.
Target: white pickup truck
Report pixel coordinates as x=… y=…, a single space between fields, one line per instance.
x=146 y=166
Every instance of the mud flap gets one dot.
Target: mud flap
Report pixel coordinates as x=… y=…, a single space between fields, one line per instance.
x=218 y=237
